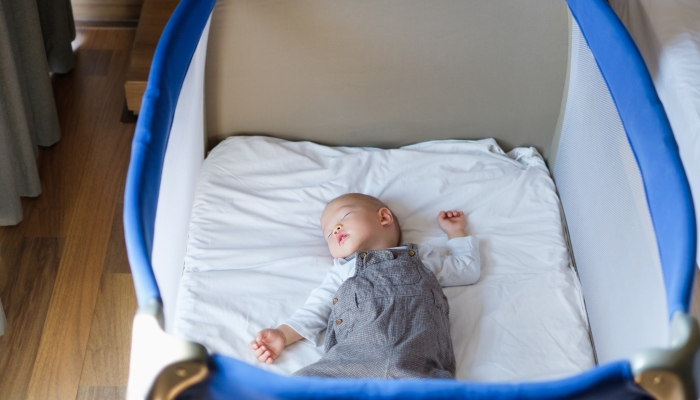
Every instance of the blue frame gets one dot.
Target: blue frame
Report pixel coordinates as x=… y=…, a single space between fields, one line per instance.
x=648 y=132
x=233 y=379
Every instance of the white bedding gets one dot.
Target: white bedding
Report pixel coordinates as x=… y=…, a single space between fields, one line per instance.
x=255 y=250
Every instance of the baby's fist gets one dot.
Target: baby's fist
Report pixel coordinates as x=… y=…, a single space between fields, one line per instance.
x=453 y=223
x=267 y=345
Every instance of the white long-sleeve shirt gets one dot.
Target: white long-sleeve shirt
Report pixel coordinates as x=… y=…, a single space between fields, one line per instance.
x=462 y=266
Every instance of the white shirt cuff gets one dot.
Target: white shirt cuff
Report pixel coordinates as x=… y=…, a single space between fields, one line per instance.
x=461 y=246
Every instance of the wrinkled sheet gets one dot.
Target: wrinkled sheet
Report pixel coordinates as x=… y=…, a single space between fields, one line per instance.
x=255 y=249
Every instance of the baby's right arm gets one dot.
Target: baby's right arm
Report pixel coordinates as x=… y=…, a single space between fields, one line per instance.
x=307 y=322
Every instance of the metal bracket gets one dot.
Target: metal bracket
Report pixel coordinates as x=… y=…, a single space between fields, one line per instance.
x=669 y=374
x=161 y=365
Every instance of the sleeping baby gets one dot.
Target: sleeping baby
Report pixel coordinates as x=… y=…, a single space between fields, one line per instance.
x=381 y=303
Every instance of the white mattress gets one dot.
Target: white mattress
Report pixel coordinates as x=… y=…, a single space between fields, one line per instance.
x=255 y=249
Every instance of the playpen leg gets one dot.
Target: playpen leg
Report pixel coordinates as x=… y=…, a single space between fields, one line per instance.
x=161 y=366
x=672 y=373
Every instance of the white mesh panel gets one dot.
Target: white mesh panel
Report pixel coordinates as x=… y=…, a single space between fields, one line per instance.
x=183 y=158
x=609 y=224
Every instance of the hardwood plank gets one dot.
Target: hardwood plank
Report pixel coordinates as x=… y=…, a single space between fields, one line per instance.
x=102 y=393
x=78 y=98
x=116 y=260
x=97 y=61
x=11 y=242
x=25 y=297
x=59 y=360
x=8 y=233
x=107 y=358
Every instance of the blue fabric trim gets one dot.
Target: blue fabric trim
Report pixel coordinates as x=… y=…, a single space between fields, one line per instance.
x=234 y=379
x=170 y=63
x=652 y=142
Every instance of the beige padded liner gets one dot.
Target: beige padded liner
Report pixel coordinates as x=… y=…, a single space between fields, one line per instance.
x=387 y=72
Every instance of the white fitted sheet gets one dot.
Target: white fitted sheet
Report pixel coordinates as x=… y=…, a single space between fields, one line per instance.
x=255 y=250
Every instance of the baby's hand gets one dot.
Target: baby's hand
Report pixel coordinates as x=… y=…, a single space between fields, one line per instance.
x=453 y=223
x=268 y=344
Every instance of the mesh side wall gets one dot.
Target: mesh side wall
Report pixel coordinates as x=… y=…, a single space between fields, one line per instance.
x=609 y=223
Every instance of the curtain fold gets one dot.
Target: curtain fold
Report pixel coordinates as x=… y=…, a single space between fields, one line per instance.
x=28 y=116
x=58 y=30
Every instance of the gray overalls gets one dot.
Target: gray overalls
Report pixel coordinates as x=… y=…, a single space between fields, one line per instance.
x=390 y=320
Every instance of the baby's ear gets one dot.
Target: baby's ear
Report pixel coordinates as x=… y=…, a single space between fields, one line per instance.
x=385 y=216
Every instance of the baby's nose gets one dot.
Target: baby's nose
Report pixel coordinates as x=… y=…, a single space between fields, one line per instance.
x=337 y=228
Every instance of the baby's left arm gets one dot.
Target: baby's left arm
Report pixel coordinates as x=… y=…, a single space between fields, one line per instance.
x=462 y=266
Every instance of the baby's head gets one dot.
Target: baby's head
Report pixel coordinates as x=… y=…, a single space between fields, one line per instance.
x=356 y=221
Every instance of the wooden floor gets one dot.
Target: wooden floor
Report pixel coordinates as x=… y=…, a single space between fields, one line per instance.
x=64 y=278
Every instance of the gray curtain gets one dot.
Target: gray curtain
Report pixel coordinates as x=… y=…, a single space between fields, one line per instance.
x=35 y=38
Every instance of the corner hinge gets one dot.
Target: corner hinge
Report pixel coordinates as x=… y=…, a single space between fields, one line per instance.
x=161 y=365
x=670 y=373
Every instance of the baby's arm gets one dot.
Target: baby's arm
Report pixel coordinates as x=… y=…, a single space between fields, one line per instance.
x=307 y=322
x=462 y=266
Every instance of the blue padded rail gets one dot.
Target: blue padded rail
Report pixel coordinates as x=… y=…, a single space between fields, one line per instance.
x=649 y=135
x=652 y=142
x=170 y=62
x=233 y=379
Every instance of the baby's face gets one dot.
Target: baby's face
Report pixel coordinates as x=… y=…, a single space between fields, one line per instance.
x=350 y=225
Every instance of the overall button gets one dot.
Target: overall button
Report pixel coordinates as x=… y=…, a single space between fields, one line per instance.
x=411 y=253
x=335 y=300
x=338 y=321
x=363 y=255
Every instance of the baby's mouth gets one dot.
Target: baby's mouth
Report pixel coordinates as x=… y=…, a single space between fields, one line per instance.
x=340 y=237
